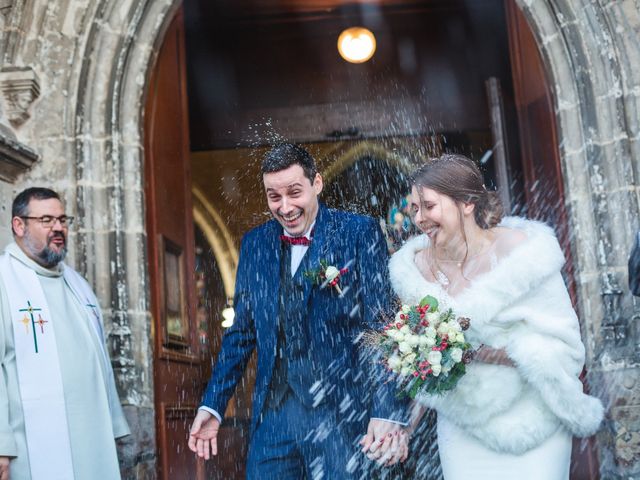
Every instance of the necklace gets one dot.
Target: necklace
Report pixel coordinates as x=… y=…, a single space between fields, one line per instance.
x=457 y=262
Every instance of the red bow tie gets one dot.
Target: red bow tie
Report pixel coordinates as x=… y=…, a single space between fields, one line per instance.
x=295 y=240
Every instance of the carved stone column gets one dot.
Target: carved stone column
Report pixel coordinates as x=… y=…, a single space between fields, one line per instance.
x=20 y=88
x=5 y=11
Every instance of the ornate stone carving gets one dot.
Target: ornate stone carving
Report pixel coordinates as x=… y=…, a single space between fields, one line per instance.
x=5 y=11
x=20 y=88
x=614 y=329
x=15 y=157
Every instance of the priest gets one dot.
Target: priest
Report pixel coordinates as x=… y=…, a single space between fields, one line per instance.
x=59 y=409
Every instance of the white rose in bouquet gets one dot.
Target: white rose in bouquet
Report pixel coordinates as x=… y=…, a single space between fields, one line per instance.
x=394 y=362
x=436 y=369
x=406 y=330
x=409 y=359
x=406 y=371
x=430 y=332
x=392 y=333
x=404 y=347
x=434 y=357
x=432 y=318
x=456 y=354
x=427 y=347
x=413 y=340
x=443 y=328
x=426 y=343
x=460 y=337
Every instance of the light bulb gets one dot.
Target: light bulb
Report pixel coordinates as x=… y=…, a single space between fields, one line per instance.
x=356 y=44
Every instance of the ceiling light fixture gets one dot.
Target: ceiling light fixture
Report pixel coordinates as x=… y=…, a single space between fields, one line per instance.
x=356 y=44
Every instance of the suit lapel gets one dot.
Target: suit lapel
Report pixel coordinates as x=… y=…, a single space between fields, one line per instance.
x=272 y=271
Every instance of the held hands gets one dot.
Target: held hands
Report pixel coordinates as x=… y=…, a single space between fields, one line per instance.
x=203 y=437
x=4 y=468
x=385 y=442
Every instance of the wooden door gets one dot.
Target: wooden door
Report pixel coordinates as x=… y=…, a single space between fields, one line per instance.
x=185 y=326
x=180 y=367
x=543 y=183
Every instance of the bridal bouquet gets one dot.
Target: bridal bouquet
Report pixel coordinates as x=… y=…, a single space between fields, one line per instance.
x=426 y=347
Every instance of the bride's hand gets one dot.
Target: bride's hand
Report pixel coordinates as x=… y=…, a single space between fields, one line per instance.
x=495 y=356
x=398 y=450
x=385 y=442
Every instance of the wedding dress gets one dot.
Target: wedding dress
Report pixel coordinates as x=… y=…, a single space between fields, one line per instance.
x=506 y=422
x=463 y=457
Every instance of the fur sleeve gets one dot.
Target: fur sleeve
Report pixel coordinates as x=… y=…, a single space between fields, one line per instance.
x=549 y=354
x=483 y=392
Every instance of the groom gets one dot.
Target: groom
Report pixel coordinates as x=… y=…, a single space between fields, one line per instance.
x=315 y=395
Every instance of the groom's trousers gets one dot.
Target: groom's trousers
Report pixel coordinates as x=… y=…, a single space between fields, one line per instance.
x=294 y=442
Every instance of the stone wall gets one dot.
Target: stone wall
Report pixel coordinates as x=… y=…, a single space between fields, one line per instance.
x=91 y=59
x=592 y=51
x=72 y=79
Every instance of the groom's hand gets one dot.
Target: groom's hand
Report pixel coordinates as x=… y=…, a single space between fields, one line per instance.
x=203 y=437
x=385 y=442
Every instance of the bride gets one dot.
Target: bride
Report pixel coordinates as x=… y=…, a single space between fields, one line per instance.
x=514 y=412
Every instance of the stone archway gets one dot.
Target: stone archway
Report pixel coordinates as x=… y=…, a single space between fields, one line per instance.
x=120 y=52
x=93 y=58
x=594 y=86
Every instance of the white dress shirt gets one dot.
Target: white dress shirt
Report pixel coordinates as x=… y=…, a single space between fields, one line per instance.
x=298 y=251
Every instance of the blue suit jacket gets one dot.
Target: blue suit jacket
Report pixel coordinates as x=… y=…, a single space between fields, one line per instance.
x=333 y=324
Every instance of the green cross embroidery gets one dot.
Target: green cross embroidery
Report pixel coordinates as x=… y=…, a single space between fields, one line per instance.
x=30 y=309
x=94 y=310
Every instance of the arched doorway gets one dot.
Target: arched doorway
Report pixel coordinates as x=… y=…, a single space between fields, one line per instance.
x=118 y=82
x=345 y=191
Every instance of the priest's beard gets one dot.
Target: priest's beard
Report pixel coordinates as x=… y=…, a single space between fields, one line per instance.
x=48 y=258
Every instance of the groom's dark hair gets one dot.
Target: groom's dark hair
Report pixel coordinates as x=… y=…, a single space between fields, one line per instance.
x=284 y=155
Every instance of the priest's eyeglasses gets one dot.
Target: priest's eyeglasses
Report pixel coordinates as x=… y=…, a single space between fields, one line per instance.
x=48 y=221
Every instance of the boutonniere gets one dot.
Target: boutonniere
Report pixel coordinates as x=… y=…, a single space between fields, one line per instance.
x=326 y=275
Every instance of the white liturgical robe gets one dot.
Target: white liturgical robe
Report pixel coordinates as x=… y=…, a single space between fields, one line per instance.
x=94 y=415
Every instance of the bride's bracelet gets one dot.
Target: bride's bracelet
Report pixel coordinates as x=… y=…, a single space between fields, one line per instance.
x=494 y=356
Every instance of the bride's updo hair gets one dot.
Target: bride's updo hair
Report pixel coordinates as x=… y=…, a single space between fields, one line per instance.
x=458 y=177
